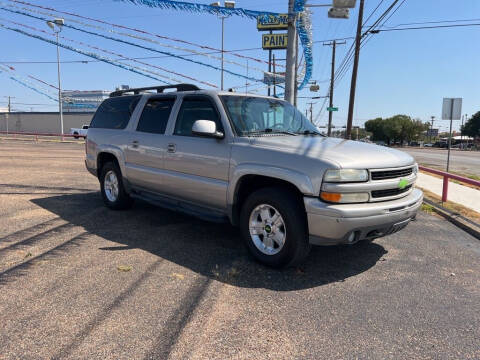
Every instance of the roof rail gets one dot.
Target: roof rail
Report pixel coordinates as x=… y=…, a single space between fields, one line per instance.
x=159 y=89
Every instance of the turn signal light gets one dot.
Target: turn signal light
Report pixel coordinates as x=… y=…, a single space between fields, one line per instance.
x=331 y=197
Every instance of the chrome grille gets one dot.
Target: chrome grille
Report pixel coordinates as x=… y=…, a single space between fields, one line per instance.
x=391 y=174
x=389 y=192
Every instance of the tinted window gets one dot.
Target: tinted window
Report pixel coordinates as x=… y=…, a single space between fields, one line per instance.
x=193 y=109
x=114 y=113
x=155 y=116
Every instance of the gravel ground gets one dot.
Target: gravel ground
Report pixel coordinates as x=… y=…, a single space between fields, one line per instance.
x=82 y=282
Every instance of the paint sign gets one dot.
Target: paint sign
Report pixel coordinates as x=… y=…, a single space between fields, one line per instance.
x=274 y=41
x=272 y=22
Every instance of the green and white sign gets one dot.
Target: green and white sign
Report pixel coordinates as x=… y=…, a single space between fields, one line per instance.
x=332 y=109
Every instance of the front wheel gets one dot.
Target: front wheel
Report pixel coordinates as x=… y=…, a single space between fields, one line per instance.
x=273 y=226
x=113 y=192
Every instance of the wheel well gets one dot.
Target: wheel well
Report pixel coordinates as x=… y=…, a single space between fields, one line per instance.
x=250 y=183
x=104 y=158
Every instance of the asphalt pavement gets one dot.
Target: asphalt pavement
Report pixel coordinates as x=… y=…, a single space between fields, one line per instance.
x=80 y=281
x=464 y=162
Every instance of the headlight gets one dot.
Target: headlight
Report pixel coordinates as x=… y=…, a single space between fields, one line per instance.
x=344 y=198
x=415 y=169
x=345 y=175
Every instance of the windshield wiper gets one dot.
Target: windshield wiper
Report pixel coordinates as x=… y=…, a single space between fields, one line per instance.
x=270 y=131
x=309 y=132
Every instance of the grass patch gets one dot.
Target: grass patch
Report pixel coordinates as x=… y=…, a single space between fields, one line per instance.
x=124 y=268
x=427 y=208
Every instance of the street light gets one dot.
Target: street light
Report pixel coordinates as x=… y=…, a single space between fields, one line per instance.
x=56 y=26
x=230 y=5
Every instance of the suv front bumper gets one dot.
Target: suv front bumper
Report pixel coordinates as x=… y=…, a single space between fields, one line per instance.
x=331 y=224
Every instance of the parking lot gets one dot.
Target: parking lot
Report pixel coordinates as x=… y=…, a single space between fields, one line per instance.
x=80 y=281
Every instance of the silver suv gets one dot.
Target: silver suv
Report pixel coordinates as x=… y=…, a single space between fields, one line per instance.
x=254 y=161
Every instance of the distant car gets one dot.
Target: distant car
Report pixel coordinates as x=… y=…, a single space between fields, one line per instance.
x=441 y=144
x=77 y=132
x=414 y=143
x=428 y=145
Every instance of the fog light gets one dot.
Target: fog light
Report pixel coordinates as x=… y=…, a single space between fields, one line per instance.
x=351 y=237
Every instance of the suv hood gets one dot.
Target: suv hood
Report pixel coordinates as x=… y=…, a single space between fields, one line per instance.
x=346 y=153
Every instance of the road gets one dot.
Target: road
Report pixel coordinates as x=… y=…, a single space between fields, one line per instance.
x=79 y=281
x=464 y=162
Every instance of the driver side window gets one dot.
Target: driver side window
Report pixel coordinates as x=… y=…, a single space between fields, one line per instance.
x=195 y=108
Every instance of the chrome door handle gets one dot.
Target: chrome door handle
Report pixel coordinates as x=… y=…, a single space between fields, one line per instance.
x=135 y=143
x=171 y=148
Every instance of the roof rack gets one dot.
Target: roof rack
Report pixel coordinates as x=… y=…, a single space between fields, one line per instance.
x=159 y=89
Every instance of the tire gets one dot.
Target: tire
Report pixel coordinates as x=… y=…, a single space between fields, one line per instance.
x=75 y=137
x=114 y=195
x=268 y=202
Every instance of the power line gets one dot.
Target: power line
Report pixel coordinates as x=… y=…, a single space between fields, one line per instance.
x=425 y=27
x=433 y=22
x=345 y=64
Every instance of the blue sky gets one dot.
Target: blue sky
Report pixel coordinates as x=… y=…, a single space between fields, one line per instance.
x=407 y=72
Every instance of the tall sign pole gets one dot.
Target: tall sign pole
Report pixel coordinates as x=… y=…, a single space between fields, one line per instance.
x=451 y=110
x=353 y=84
x=291 y=54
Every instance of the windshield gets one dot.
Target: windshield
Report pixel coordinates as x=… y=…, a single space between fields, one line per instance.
x=253 y=115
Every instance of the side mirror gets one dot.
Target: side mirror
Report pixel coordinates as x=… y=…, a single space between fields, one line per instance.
x=206 y=128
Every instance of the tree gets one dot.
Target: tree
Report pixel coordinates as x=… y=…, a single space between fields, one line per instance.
x=392 y=129
x=375 y=127
x=398 y=128
x=472 y=126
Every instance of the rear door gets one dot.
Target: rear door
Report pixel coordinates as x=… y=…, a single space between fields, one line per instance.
x=146 y=149
x=196 y=168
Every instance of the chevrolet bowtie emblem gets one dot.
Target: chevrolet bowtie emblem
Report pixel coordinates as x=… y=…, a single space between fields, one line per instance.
x=403 y=184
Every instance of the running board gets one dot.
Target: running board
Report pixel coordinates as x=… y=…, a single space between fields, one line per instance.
x=204 y=213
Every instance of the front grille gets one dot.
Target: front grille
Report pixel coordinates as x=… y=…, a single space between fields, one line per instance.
x=391 y=174
x=389 y=192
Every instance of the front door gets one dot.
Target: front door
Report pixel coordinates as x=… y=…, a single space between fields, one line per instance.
x=196 y=168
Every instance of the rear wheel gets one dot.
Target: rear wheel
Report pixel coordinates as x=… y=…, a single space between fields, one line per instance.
x=113 y=192
x=75 y=135
x=274 y=228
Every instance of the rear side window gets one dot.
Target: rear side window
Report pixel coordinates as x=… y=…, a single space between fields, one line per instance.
x=195 y=108
x=155 y=115
x=114 y=113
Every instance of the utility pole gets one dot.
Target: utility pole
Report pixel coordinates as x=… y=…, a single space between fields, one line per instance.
x=274 y=78
x=311 y=111
x=296 y=73
x=356 y=59
x=9 y=105
x=223 y=38
x=270 y=66
x=332 y=79
x=291 y=54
